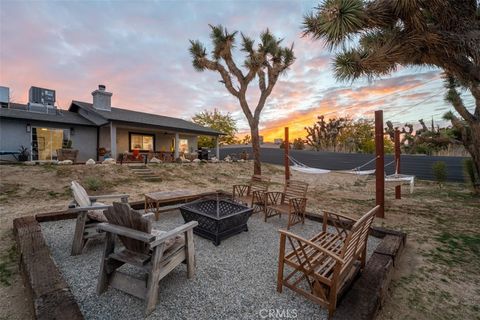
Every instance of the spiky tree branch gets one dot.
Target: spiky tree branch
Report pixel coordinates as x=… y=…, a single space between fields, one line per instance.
x=392 y=33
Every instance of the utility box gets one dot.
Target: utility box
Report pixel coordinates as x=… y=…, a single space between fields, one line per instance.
x=4 y=97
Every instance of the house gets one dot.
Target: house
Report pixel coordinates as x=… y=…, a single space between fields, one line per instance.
x=93 y=128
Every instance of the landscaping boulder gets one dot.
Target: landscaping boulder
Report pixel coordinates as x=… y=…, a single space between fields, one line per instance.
x=214 y=160
x=228 y=159
x=109 y=161
x=90 y=162
x=196 y=160
x=65 y=162
x=155 y=160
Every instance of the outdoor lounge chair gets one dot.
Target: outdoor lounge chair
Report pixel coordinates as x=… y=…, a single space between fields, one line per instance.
x=253 y=193
x=327 y=261
x=291 y=201
x=155 y=252
x=89 y=214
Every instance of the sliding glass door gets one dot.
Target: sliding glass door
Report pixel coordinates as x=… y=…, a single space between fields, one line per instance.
x=46 y=141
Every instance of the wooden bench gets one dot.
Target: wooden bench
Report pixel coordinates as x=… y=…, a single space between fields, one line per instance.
x=253 y=193
x=291 y=201
x=326 y=261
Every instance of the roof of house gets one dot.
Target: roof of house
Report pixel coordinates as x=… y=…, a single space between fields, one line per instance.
x=20 y=111
x=124 y=115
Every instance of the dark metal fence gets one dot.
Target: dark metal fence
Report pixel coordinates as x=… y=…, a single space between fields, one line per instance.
x=417 y=165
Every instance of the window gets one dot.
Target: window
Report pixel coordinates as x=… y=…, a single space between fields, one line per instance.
x=46 y=141
x=183 y=145
x=142 y=142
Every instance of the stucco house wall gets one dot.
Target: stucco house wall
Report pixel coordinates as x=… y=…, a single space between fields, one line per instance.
x=13 y=134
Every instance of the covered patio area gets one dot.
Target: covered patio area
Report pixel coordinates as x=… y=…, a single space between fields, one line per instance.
x=132 y=143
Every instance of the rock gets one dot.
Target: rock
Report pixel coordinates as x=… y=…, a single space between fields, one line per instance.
x=29 y=163
x=109 y=161
x=228 y=159
x=90 y=162
x=214 y=160
x=241 y=160
x=196 y=160
x=184 y=160
x=155 y=160
x=65 y=162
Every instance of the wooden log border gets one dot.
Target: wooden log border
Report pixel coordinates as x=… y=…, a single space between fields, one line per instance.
x=53 y=299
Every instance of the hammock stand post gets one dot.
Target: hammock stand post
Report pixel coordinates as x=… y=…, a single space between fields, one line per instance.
x=398 y=189
x=287 y=160
x=379 y=164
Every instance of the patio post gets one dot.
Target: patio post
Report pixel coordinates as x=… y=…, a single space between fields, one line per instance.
x=398 y=189
x=379 y=164
x=113 y=141
x=176 y=154
x=217 y=148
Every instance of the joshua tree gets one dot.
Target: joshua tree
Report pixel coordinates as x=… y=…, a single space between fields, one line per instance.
x=441 y=33
x=267 y=62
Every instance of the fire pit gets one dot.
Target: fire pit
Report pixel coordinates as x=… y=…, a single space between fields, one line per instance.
x=217 y=219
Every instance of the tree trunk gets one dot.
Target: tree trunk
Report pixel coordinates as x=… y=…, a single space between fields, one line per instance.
x=474 y=148
x=257 y=167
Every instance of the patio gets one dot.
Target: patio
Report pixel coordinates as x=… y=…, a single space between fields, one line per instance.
x=234 y=280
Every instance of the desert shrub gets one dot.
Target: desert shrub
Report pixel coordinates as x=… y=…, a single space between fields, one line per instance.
x=440 y=172
x=93 y=183
x=470 y=174
x=298 y=144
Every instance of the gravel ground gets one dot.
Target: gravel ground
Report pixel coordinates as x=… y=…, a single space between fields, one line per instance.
x=236 y=280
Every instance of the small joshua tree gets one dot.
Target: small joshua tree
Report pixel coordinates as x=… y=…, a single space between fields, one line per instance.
x=267 y=61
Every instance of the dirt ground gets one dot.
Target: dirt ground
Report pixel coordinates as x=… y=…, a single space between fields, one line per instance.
x=438 y=276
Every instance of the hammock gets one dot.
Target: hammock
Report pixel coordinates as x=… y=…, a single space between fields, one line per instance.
x=396 y=178
x=298 y=166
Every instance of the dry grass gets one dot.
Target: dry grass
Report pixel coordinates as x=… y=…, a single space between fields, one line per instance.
x=438 y=276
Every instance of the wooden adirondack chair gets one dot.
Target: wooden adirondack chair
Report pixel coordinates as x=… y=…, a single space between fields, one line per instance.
x=253 y=193
x=326 y=261
x=89 y=215
x=155 y=252
x=291 y=201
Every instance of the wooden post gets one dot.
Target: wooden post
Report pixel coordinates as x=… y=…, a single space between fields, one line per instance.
x=286 y=144
x=379 y=164
x=398 y=189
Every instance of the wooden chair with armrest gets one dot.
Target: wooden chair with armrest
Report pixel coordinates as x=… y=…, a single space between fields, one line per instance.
x=155 y=252
x=253 y=193
x=291 y=201
x=89 y=214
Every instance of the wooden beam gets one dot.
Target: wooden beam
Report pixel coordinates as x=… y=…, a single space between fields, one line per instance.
x=52 y=298
x=379 y=163
x=286 y=144
x=398 y=189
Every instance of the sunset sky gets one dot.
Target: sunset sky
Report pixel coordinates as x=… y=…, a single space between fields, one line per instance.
x=139 y=50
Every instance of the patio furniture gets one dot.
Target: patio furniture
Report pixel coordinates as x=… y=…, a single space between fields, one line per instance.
x=253 y=193
x=162 y=201
x=154 y=252
x=291 y=201
x=217 y=218
x=89 y=215
x=14 y=154
x=326 y=261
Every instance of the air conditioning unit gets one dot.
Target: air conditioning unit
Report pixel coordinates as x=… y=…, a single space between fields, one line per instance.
x=41 y=96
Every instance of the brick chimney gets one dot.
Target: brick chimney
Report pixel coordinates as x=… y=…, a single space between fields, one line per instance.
x=102 y=100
